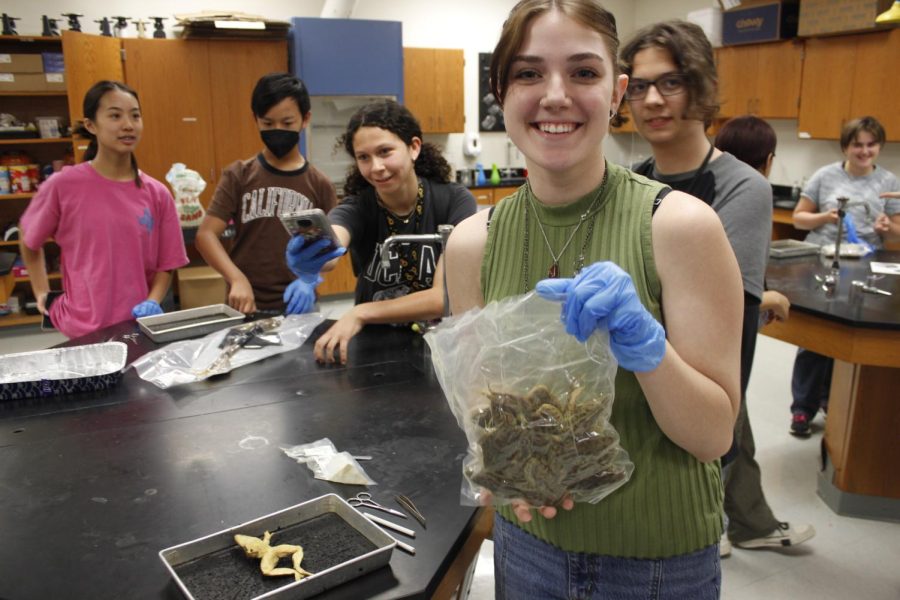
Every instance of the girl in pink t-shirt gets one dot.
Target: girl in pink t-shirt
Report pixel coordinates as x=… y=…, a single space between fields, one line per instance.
x=117 y=228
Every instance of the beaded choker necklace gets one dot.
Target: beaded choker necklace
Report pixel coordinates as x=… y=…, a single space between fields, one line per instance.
x=578 y=263
x=393 y=217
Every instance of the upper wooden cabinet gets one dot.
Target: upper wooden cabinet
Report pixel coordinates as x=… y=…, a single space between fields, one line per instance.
x=433 y=88
x=760 y=79
x=89 y=59
x=847 y=77
x=195 y=96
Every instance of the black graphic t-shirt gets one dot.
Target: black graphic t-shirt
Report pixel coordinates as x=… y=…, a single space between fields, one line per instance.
x=443 y=204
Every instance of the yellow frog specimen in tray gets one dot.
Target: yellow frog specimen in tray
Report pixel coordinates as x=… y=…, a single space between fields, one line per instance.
x=270 y=555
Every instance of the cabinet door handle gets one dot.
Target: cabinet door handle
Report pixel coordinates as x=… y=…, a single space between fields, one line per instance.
x=189 y=119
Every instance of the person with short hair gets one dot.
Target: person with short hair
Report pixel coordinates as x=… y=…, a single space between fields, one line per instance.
x=751 y=140
x=116 y=227
x=672 y=94
x=875 y=216
x=255 y=193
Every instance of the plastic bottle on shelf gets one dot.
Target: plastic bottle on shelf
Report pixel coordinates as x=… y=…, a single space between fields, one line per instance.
x=479 y=174
x=495 y=174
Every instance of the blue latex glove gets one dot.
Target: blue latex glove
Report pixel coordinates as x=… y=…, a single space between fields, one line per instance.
x=850 y=229
x=602 y=296
x=305 y=260
x=853 y=237
x=300 y=296
x=147 y=308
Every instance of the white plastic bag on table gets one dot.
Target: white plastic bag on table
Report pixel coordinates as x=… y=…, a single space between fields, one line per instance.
x=533 y=402
x=188 y=361
x=328 y=464
x=187 y=185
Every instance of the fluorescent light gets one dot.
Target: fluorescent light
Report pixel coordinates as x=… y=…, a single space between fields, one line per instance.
x=240 y=24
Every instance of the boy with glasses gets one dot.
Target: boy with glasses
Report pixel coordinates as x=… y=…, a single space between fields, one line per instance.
x=672 y=94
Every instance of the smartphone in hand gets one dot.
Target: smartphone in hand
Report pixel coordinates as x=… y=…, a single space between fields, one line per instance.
x=313 y=225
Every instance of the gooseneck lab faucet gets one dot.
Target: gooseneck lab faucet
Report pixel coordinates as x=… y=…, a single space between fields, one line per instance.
x=439 y=238
x=830 y=282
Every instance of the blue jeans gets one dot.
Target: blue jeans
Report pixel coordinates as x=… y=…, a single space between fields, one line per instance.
x=526 y=567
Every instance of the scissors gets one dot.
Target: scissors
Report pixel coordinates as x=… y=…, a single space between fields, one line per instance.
x=365 y=499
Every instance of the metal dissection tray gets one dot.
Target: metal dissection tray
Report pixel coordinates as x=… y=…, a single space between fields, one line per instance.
x=60 y=371
x=189 y=323
x=339 y=544
x=788 y=248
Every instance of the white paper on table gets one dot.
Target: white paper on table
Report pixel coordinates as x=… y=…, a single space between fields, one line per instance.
x=885 y=268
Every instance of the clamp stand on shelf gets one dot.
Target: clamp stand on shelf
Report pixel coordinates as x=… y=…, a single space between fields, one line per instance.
x=74 y=25
x=51 y=29
x=9 y=25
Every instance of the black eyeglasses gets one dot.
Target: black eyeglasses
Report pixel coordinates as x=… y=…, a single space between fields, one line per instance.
x=668 y=84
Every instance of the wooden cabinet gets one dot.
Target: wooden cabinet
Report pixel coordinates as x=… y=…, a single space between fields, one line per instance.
x=433 y=88
x=27 y=106
x=339 y=280
x=89 y=59
x=199 y=113
x=846 y=77
x=760 y=79
x=491 y=195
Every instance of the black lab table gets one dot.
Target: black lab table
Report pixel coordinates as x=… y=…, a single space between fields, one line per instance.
x=93 y=486
x=862 y=333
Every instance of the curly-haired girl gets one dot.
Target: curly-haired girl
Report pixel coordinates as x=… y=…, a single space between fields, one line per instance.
x=397 y=185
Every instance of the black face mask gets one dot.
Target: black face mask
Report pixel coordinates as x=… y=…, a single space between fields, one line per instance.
x=280 y=141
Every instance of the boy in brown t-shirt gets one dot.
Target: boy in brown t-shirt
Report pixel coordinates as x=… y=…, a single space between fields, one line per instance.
x=255 y=192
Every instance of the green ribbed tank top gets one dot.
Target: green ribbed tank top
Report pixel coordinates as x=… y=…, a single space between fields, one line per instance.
x=673 y=502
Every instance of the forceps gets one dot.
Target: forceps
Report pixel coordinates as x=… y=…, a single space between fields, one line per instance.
x=365 y=499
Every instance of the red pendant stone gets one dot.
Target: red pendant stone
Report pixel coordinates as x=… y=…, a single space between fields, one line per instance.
x=553 y=273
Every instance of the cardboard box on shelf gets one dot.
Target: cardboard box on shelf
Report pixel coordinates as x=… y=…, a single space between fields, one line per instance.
x=827 y=17
x=760 y=21
x=739 y=4
x=54 y=82
x=21 y=63
x=23 y=82
x=200 y=286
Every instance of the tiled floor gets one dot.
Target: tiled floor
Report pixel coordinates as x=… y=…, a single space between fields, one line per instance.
x=848 y=558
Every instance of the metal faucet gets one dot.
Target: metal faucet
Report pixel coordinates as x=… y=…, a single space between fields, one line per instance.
x=831 y=281
x=440 y=237
x=842 y=204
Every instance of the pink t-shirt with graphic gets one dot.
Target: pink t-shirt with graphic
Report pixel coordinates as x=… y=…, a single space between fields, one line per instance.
x=113 y=237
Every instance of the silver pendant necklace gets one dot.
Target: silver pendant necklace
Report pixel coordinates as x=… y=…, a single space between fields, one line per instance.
x=553 y=271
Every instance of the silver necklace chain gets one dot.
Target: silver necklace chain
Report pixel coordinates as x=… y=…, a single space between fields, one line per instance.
x=578 y=264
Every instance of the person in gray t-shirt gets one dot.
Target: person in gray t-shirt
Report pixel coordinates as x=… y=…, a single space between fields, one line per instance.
x=858 y=178
x=874 y=210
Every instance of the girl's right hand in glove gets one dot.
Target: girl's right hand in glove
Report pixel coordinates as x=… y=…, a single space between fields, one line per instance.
x=602 y=296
